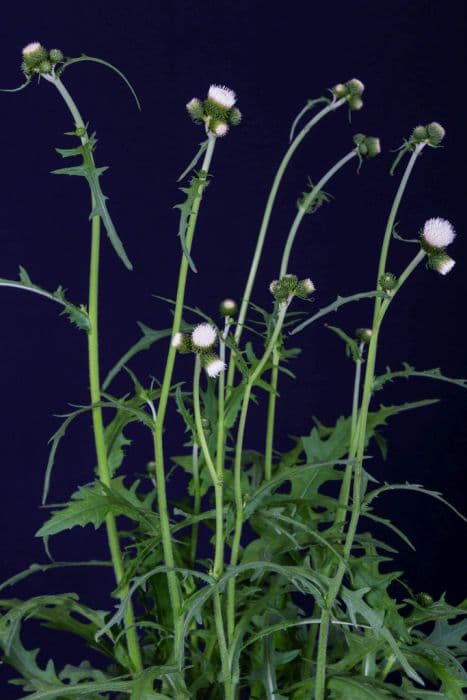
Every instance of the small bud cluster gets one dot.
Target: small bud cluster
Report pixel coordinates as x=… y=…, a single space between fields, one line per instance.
x=388 y=282
x=351 y=91
x=37 y=59
x=201 y=341
x=217 y=111
x=431 y=134
x=367 y=146
x=436 y=235
x=289 y=286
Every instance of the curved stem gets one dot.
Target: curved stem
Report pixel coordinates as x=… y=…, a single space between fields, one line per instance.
x=265 y=223
x=95 y=390
x=238 y=465
x=216 y=480
x=162 y=407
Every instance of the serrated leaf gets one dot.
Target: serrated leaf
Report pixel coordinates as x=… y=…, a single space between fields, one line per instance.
x=410 y=371
x=193 y=192
x=340 y=301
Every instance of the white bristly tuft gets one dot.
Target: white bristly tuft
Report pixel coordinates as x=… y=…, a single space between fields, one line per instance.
x=204 y=336
x=222 y=95
x=438 y=233
x=445 y=265
x=215 y=367
x=177 y=340
x=221 y=129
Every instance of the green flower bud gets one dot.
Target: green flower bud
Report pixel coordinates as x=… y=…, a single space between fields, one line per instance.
x=151 y=469
x=355 y=86
x=424 y=599
x=355 y=103
x=195 y=110
x=55 y=56
x=45 y=67
x=80 y=132
x=367 y=146
x=305 y=288
x=436 y=133
x=289 y=283
x=419 y=134
x=228 y=307
x=387 y=281
x=340 y=90
x=206 y=423
x=182 y=343
x=363 y=335
x=235 y=116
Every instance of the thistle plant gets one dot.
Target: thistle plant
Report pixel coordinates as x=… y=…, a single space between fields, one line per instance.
x=266 y=580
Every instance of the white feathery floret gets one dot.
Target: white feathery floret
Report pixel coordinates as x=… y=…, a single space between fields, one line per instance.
x=223 y=95
x=438 y=233
x=221 y=129
x=204 y=335
x=215 y=367
x=445 y=265
x=177 y=340
x=31 y=48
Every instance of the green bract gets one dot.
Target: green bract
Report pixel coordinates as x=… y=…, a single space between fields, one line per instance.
x=265 y=578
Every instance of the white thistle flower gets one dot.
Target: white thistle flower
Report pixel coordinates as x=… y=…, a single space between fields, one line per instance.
x=308 y=285
x=221 y=129
x=438 y=233
x=222 y=95
x=204 y=336
x=177 y=340
x=32 y=48
x=215 y=367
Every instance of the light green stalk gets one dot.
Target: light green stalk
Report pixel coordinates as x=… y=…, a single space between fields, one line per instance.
x=94 y=380
x=238 y=464
x=381 y=306
x=302 y=210
x=174 y=592
x=197 y=500
x=335 y=104
x=220 y=449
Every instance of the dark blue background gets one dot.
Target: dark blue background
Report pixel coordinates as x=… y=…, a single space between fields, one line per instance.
x=411 y=59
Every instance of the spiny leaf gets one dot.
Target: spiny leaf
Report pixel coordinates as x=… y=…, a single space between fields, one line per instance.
x=411 y=487
x=410 y=371
x=203 y=146
x=335 y=306
x=193 y=193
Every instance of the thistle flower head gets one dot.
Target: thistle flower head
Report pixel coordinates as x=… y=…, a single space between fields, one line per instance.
x=222 y=95
x=441 y=262
x=437 y=234
x=228 y=307
x=181 y=342
x=367 y=146
x=204 y=336
x=388 y=281
x=431 y=134
x=213 y=366
x=177 y=340
x=195 y=109
x=305 y=288
x=34 y=48
x=220 y=129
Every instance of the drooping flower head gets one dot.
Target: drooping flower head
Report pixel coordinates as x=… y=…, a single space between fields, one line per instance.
x=182 y=343
x=222 y=95
x=442 y=263
x=204 y=336
x=437 y=234
x=214 y=366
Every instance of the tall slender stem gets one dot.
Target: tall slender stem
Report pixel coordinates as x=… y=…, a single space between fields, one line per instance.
x=174 y=592
x=238 y=464
x=95 y=390
x=196 y=500
x=380 y=309
x=335 y=104
x=272 y=400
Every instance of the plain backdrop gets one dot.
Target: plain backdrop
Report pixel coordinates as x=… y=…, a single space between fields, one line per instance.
x=411 y=57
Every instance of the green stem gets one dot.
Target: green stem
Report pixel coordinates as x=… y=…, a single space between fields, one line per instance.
x=196 y=503
x=283 y=271
x=174 y=592
x=220 y=449
x=380 y=309
x=238 y=465
x=265 y=223
x=216 y=479
x=223 y=651
x=94 y=380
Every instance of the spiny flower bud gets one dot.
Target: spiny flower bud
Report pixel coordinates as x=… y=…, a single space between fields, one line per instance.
x=355 y=103
x=195 y=110
x=204 y=336
x=228 y=307
x=424 y=599
x=45 y=67
x=419 y=134
x=34 y=53
x=367 y=146
x=355 y=86
x=222 y=96
x=437 y=234
x=289 y=282
x=441 y=262
x=388 y=281
x=213 y=365
x=364 y=334
x=305 y=288
x=182 y=343
x=436 y=133
x=55 y=56
x=235 y=116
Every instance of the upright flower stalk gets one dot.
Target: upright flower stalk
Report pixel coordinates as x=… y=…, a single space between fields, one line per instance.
x=358 y=439
x=94 y=380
